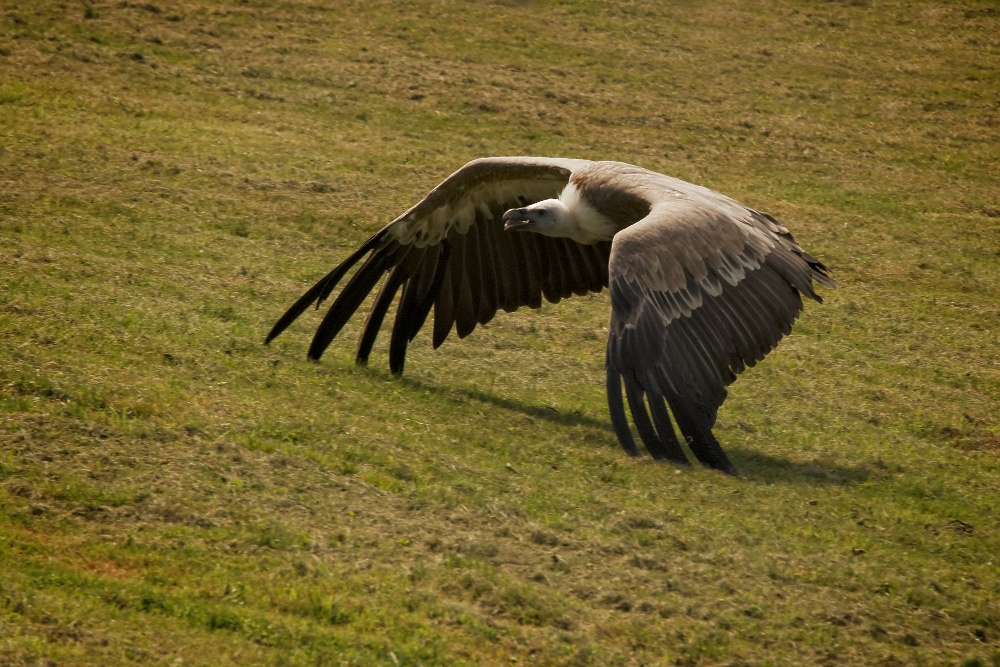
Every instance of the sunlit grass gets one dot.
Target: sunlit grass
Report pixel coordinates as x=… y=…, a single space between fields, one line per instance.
x=172 y=176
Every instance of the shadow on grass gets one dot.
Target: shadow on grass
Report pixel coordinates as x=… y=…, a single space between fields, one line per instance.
x=750 y=464
x=539 y=412
x=758 y=467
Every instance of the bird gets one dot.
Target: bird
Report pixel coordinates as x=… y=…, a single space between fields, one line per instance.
x=701 y=286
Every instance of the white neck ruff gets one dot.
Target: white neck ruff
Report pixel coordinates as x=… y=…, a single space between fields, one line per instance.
x=591 y=225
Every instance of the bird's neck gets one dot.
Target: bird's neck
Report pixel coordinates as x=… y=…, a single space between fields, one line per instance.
x=583 y=223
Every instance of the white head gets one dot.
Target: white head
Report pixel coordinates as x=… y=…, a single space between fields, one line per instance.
x=566 y=217
x=549 y=217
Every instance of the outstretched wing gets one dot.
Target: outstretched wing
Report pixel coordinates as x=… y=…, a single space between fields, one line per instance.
x=700 y=289
x=450 y=252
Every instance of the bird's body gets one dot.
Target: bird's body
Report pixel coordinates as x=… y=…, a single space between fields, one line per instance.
x=701 y=286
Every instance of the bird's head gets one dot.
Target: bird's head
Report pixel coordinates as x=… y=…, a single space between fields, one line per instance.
x=550 y=217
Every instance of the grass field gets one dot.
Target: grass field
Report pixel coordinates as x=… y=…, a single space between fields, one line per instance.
x=174 y=175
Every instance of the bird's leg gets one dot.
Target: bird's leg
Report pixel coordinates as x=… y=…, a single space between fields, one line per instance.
x=710 y=453
x=699 y=437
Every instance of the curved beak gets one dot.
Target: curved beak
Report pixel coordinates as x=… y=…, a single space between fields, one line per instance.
x=516 y=218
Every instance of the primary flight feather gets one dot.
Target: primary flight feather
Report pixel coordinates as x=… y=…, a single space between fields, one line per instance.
x=701 y=286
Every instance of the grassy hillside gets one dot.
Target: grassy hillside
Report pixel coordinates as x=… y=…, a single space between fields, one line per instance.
x=173 y=175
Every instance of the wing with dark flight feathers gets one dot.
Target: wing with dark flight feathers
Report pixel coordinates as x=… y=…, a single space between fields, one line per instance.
x=450 y=252
x=700 y=289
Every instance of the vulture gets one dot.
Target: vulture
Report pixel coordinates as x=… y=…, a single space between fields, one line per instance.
x=701 y=286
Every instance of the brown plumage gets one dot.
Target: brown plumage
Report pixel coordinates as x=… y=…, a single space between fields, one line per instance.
x=701 y=286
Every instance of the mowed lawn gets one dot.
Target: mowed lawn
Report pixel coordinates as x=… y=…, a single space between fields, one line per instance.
x=173 y=175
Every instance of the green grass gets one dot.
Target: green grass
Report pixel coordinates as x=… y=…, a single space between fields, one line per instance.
x=174 y=175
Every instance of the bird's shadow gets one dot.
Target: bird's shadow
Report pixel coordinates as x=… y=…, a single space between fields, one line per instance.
x=545 y=412
x=750 y=464
x=757 y=466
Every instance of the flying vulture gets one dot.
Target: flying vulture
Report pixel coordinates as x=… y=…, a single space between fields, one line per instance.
x=701 y=286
